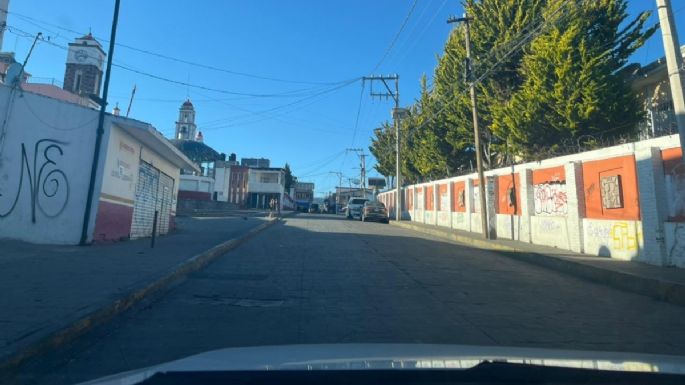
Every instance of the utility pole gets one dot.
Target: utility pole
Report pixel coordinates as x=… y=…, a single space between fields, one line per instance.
x=397 y=114
x=337 y=193
x=674 y=62
x=362 y=168
x=100 y=130
x=476 y=132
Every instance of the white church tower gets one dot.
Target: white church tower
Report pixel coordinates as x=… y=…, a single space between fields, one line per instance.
x=185 y=126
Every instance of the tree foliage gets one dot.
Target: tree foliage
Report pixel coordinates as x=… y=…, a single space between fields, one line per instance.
x=290 y=179
x=551 y=73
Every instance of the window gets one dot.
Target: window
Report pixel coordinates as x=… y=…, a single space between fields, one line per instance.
x=77 y=82
x=268 y=178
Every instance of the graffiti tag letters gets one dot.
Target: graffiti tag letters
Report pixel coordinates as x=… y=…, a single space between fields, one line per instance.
x=550 y=198
x=48 y=186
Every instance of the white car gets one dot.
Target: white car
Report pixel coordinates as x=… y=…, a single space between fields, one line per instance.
x=354 y=207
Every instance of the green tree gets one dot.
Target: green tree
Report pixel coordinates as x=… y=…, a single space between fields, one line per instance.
x=290 y=179
x=383 y=149
x=572 y=85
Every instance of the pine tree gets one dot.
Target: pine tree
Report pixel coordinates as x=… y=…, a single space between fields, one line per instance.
x=572 y=87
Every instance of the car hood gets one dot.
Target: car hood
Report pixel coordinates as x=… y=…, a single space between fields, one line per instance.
x=396 y=356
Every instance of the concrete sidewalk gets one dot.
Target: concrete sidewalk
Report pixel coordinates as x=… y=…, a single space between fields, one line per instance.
x=51 y=294
x=662 y=283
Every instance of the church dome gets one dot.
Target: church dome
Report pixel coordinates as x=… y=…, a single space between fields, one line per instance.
x=187 y=104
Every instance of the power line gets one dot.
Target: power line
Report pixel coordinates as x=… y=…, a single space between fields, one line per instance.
x=186 y=84
x=42 y=24
x=420 y=35
x=311 y=95
x=359 y=110
x=397 y=35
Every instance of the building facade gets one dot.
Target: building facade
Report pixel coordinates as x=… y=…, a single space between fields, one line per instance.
x=303 y=192
x=264 y=184
x=85 y=58
x=237 y=182
x=47 y=155
x=255 y=162
x=653 y=87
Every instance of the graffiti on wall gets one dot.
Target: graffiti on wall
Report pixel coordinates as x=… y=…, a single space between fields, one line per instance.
x=621 y=235
x=48 y=186
x=550 y=198
x=622 y=238
x=549 y=226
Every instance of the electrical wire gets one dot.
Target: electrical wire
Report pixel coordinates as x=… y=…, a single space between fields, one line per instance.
x=42 y=24
x=48 y=124
x=420 y=35
x=359 y=110
x=397 y=35
x=310 y=96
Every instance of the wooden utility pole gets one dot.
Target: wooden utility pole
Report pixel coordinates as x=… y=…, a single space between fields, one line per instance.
x=397 y=115
x=476 y=131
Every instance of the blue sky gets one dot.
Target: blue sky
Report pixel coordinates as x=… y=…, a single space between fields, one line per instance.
x=306 y=113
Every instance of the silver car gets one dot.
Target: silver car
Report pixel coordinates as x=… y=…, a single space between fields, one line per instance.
x=374 y=211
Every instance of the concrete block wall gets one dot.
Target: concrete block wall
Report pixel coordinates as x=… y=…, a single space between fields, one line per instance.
x=615 y=202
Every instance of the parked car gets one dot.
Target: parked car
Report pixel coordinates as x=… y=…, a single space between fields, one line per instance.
x=374 y=211
x=354 y=207
x=314 y=208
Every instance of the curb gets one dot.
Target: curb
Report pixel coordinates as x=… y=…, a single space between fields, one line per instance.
x=666 y=291
x=108 y=312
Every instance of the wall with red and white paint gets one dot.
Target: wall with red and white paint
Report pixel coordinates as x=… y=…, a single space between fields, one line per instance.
x=625 y=202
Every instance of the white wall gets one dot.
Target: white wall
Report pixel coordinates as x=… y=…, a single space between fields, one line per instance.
x=58 y=138
x=612 y=238
x=560 y=222
x=196 y=183
x=122 y=156
x=221 y=183
x=255 y=186
x=675 y=243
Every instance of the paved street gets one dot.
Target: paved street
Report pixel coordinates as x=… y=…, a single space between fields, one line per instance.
x=323 y=279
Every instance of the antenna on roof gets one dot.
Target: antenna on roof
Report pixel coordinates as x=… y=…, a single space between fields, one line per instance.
x=130 y=102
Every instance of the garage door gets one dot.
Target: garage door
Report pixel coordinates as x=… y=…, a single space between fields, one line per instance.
x=145 y=202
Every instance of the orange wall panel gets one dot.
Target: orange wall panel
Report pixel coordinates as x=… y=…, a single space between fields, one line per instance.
x=506 y=184
x=674 y=173
x=458 y=191
x=672 y=158
x=429 y=198
x=594 y=171
x=552 y=174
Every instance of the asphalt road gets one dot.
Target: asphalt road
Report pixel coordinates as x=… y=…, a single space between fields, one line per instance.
x=324 y=279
